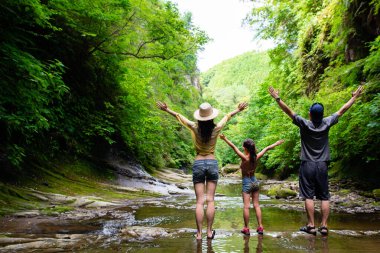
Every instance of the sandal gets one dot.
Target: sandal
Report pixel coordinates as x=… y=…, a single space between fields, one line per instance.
x=309 y=230
x=211 y=237
x=323 y=230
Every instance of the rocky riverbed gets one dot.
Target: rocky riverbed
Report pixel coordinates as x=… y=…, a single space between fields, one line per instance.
x=165 y=222
x=344 y=200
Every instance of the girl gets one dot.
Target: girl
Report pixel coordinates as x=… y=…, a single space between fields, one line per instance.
x=248 y=166
x=204 y=133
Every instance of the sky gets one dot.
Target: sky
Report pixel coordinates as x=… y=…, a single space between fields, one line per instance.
x=222 y=21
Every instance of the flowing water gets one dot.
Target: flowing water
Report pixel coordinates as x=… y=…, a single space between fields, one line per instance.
x=167 y=225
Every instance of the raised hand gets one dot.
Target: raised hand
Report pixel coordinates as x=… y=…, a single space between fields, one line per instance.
x=162 y=105
x=274 y=93
x=358 y=91
x=242 y=106
x=222 y=136
x=279 y=142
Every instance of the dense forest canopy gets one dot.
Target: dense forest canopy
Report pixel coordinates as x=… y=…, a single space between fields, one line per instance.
x=80 y=77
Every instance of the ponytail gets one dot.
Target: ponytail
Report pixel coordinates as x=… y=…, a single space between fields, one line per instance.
x=251 y=147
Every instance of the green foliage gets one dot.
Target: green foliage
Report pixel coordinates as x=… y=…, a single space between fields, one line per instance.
x=376 y=193
x=81 y=76
x=325 y=51
x=233 y=80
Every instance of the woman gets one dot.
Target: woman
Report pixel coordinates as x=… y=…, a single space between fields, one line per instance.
x=204 y=133
x=248 y=166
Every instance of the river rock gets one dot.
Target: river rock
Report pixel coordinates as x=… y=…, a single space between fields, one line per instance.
x=27 y=214
x=50 y=244
x=370 y=233
x=281 y=192
x=11 y=240
x=122 y=188
x=129 y=169
x=82 y=202
x=181 y=186
x=346 y=232
x=230 y=168
x=376 y=194
x=39 y=196
x=145 y=233
x=98 y=204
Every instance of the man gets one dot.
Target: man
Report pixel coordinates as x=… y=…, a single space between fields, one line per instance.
x=315 y=153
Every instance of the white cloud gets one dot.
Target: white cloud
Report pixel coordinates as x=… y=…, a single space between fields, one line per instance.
x=222 y=21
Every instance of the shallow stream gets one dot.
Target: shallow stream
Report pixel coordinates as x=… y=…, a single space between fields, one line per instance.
x=166 y=224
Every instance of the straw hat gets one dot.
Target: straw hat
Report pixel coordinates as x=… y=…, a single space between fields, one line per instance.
x=205 y=112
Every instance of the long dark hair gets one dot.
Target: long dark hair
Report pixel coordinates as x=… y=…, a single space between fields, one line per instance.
x=249 y=144
x=205 y=129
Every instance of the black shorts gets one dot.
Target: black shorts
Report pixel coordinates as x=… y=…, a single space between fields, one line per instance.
x=313 y=180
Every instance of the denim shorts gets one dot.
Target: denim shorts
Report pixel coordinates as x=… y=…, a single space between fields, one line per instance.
x=205 y=170
x=246 y=184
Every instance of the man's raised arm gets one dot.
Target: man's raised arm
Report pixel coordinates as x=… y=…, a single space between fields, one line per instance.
x=274 y=93
x=350 y=102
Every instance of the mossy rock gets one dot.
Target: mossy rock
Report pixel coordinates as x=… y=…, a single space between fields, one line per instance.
x=260 y=176
x=54 y=210
x=279 y=192
x=367 y=194
x=376 y=193
x=343 y=192
x=230 y=168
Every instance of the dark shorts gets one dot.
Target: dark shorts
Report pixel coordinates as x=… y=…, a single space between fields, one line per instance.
x=313 y=180
x=246 y=184
x=205 y=170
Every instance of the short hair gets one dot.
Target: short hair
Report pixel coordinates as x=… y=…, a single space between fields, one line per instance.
x=316 y=112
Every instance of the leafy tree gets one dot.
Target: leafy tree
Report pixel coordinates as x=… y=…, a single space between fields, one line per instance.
x=80 y=77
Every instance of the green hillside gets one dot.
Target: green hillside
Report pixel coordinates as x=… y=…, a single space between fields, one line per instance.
x=235 y=79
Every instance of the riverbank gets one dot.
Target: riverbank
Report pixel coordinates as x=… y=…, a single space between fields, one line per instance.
x=66 y=186
x=165 y=222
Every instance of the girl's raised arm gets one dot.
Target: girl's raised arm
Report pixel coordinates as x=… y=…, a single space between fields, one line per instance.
x=237 y=151
x=262 y=152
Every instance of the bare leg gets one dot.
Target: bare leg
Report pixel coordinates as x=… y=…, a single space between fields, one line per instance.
x=256 y=205
x=325 y=208
x=246 y=201
x=199 y=213
x=309 y=206
x=210 y=212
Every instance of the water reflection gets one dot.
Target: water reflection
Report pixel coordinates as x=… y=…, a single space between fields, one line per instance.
x=259 y=246
x=246 y=243
x=209 y=246
x=311 y=246
x=324 y=247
